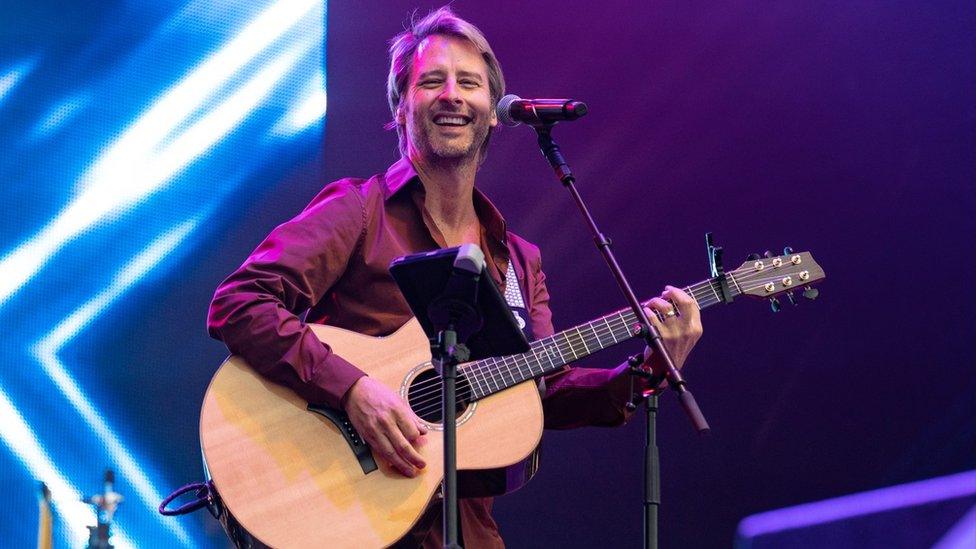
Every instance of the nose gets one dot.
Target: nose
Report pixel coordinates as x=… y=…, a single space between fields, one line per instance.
x=451 y=92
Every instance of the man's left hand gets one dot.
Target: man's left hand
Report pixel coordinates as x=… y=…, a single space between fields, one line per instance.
x=680 y=329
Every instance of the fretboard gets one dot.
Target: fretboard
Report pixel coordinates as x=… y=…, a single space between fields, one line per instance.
x=546 y=355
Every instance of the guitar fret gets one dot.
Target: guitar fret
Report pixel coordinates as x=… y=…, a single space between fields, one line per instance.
x=732 y=278
x=522 y=377
x=690 y=291
x=582 y=339
x=482 y=366
x=558 y=350
x=565 y=347
x=534 y=363
x=549 y=347
x=588 y=343
x=599 y=342
x=574 y=343
x=485 y=370
x=704 y=300
x=714 y=291
x=493 y=371
x=548 y=354
x=483 y=382
x=534 y=354
x=607 y=322
x=508 y=370
x=502 y=368
x=478 y=368
x=518 y=369
x=469 y=374
x=531 y=363
x=528 y=365
x=623 y=322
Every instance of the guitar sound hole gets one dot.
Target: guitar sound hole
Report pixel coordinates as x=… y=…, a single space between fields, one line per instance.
x=424 y=395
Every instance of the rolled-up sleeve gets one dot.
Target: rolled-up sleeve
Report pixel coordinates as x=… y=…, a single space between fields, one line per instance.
x=254 y=311
x=573 y=396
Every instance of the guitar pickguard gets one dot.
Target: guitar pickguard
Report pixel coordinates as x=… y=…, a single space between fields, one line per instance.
x=359 y=447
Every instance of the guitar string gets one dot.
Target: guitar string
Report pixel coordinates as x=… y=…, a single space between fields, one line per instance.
x=431 y=395
x=700 y=295
x=475 y=368
x=430 y=390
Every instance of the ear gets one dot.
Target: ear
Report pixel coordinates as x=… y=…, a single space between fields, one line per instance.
x=401 y=119
x=493 y=118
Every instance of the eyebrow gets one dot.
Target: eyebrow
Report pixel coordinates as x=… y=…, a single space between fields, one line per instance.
x=469 y=74
x=442 y=72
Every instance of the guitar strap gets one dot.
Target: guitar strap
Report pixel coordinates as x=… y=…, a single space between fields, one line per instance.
x=513 y=297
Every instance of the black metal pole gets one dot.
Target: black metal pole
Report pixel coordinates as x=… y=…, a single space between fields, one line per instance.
x=447 y=344
x=652 y=474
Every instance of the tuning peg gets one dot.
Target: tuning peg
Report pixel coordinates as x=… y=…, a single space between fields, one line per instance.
x=774 y=304
x=789 y=295
x=753 y=257
x=768 y=254
x=787 y=251
x=810 y=292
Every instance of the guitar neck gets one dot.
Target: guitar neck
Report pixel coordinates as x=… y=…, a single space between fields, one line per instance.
x=546 y=355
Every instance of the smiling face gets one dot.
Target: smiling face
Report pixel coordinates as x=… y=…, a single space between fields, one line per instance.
x=447 y=109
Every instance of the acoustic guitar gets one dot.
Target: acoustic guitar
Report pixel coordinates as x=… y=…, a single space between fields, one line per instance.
x=296 y=474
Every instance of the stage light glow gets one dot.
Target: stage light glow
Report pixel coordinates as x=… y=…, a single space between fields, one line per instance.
x=307 y=113
x=60 y=115
x=962 y=535
x=117 y=179
x=865 y=503
x=12 y=77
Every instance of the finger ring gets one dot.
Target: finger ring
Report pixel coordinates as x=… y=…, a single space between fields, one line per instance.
x=670 y=313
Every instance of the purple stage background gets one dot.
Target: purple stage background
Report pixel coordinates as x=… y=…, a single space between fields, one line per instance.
x=843 y=128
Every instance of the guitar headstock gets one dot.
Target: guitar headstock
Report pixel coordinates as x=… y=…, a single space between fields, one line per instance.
x=767 y=277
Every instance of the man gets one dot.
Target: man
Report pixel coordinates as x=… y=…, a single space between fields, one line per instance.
x=332 y=259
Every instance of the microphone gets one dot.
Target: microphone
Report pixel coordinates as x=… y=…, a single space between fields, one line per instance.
x=512 y=110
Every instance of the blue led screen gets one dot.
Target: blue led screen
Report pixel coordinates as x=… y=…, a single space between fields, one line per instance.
x=133 y=133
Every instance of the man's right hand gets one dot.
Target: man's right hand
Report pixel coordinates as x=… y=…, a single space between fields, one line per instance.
x=387 y=424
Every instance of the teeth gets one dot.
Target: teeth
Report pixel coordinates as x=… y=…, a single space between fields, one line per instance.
x=450 y=120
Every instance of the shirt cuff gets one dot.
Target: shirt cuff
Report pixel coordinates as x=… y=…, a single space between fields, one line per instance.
x=332 y=379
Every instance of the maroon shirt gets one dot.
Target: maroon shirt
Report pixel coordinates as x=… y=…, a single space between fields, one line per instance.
x=331 y=262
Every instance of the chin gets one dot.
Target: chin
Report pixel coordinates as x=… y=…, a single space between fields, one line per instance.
x=453 y=152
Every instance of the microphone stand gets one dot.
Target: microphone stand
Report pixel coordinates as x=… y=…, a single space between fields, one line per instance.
x=447 y=354
x=105 y=503
x=647 y=330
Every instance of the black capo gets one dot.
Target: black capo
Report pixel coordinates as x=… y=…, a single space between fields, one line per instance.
x=716 y=269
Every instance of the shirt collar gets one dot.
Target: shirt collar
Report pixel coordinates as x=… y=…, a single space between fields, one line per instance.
x=397 y=176
x=402 y=173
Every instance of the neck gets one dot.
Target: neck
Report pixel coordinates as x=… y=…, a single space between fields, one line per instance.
x=449 y=189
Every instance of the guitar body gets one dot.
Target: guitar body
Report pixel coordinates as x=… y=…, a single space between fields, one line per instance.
x=291 y=479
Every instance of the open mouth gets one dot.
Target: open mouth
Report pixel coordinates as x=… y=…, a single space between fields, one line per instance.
x=455 y=120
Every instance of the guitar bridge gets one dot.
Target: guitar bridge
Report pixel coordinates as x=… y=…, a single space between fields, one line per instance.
x=359 y=447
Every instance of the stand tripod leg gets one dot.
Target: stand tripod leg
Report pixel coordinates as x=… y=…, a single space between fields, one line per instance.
x=652 y=475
